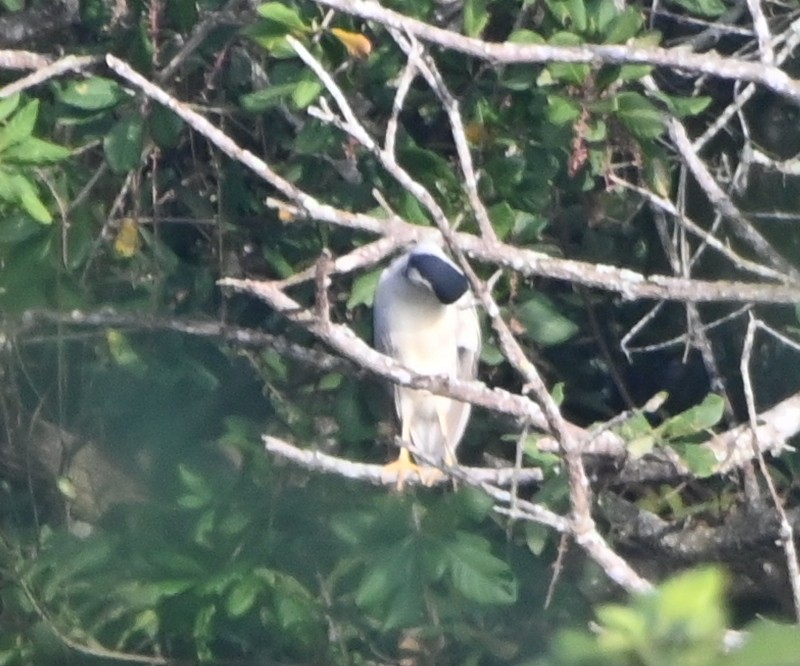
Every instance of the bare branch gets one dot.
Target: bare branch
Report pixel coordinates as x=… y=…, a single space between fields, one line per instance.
x=761 y=28
x=377 y=474
x=44 y=72
x=712 y=241
x=786 y=531
x=428 y=68
x=629 y=284
x=22 y=60
x=142 y=322
x=711 y=63
x=719 y=198
x=403 y=86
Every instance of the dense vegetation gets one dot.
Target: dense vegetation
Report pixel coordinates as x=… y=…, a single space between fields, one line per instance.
x=142 y=520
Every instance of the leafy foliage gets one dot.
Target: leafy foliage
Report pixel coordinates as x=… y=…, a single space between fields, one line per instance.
x=110 y=204
x=680 y=623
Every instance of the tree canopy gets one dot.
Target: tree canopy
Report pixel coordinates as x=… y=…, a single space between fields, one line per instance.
x=196 y=201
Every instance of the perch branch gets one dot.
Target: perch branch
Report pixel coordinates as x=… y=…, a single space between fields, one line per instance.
x=377 y=474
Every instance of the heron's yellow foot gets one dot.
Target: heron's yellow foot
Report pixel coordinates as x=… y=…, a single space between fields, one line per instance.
x=403 y=467
x=430 y=476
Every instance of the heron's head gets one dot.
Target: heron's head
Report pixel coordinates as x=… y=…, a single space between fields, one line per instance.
x=428 y=267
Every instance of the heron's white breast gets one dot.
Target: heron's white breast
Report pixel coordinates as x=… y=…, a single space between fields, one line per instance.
x=424 y=337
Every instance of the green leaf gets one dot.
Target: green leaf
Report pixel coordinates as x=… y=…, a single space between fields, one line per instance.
x=391 y=589
x=624 y=26
x=491 y=354
x=363 y=289
x=428 y=166
x=35 y=151
x=378 y=583
x=261 y=100
x=633 y=72
x=639 y=115
x=640 y=446
x=562 y=110
x=519 y=77
x=74 y=563
x=696 y=419
x=570 y=13
x=543 y=322
x=701 y=461
x=544 y=459
x=503 y=218
x=780 y=641
x=182 y=13
x=17 y=189
x=92 y=94
x=623 y=627
x=143 y=595
x=569 y=72
x=121 y=350
x=194 y=482
x=529 y=227
x=688 y=106
x=525 y=37
x=242 y=596
x=8 y=105
x=20 y=126
x=123 y=144
x=692 y=601
x=476 y=573
x=147 y=623
x=476 y=16
x=658 y=176
x=604 y=13
x=165 y=127
x=203 y=631
x=710 y=8
x=558 y=392
x=17 y=226
x=33 y=205
x=536 y=537
x=306 y=92
x=285 y=16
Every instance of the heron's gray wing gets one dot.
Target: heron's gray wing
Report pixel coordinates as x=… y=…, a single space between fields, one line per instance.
x=469 y=349
x=381 y=329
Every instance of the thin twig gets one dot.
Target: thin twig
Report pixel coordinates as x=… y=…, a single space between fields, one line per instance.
x=403 y=86
x=667 y=206
x=787 y=533
x=427 y=67
x=69 y=63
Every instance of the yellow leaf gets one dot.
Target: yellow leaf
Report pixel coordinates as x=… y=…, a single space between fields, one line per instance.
x=476 y=133
x=357 y=45
x=128 y=241
x=285 y=215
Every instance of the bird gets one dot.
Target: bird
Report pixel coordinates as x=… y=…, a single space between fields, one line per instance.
x=425 y=318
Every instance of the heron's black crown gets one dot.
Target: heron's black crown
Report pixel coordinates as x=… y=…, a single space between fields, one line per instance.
x=448 y=283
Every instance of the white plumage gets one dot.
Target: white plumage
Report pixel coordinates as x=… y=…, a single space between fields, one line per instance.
x=424 y=317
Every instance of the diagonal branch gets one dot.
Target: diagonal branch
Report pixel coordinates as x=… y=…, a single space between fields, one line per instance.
x=711 y=63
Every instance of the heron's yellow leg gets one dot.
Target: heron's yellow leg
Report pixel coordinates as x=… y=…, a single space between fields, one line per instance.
x=403 y=467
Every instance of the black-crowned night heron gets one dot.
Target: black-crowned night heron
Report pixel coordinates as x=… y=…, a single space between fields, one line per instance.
x=424 y=317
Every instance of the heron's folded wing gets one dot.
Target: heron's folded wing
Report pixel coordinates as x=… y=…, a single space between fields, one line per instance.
x=469 y=349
